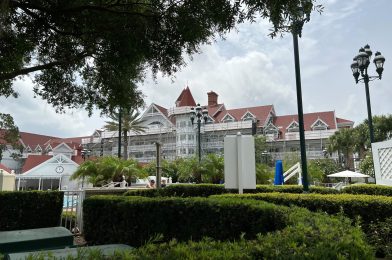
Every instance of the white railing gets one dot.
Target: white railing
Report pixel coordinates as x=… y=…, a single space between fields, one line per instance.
x=294 y=170
x=72 y=216
x=115 y=184
x=324 y=134
x=227 y=126
x=178 y=110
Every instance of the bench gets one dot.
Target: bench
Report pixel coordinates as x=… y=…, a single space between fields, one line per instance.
x=106 y=250
x=35 y=239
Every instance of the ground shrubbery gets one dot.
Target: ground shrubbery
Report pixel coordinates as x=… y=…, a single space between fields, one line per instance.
x=369 y=189
x=374 y=212
x=30 y=209
x=205 y=190
x=283 y=232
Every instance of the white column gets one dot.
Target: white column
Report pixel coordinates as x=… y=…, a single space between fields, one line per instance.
x=39 y=184
x=239 y=164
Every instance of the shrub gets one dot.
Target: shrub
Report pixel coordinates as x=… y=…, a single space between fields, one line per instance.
x=137 y=219
x=205 y=190
x=374 y=211
x=283 y=232
x=369 y=208
x=369 y=189
x=30 y=209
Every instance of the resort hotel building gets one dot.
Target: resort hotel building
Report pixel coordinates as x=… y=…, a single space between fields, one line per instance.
x=178 y=135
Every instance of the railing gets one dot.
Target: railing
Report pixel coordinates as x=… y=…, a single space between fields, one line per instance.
x=228 y=126
x=178 y=110
x=113 y=184
x=322 y=134
x=294 y=170
x=72 y=215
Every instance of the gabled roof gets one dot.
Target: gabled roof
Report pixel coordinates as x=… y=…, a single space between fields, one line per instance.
x=284 y=121
x=32 y=140
x=33 y=161
x=5 y=168
x=185 y=98
x=261 y=113
x=162 y=109
x=343 y=121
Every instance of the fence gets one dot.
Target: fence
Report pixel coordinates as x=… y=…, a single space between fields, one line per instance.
x=72 y=216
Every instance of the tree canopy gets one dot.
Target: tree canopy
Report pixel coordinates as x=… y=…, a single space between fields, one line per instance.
x=92 y=54
x=9 y=134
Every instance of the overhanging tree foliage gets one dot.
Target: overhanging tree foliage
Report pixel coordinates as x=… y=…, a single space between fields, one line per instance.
x=90 y=54
x=9 y=134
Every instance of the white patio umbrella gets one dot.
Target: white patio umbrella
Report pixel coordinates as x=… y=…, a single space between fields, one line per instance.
x=348 y=174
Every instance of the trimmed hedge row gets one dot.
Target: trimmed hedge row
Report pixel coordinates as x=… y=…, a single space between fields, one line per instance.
x=206 y=190
x=284 y=232
x=30 y=209
x=369 y=189
x=369 y=208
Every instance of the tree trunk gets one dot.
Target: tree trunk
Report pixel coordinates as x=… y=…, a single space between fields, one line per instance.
x=125 y=156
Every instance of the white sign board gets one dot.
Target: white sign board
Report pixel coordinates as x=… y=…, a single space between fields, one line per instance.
x=382 y=159
x=240 y=166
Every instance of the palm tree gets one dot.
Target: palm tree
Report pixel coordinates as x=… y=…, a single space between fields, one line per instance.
x=130 y=121
x=108 y=168
x=343 y=141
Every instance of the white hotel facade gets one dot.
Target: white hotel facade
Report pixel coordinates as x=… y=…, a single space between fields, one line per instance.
x=174 y=130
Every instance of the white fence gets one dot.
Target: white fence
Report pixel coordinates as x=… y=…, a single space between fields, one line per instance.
x=382 y=158
x=72 y=216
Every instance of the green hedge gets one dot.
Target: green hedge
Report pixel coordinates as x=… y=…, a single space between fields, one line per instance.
x=285 y=231
x=205 y=190
x=30 y=209
x=284 y=245
x=369 y=189
x=369 y=208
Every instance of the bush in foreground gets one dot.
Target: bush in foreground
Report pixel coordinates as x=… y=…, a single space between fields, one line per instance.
x=30 y=209
x=268 y=231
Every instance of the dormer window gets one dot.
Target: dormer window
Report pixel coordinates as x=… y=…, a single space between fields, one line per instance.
x=248 y=116
x=319 y=125
x=293 y=127
x=228 y=118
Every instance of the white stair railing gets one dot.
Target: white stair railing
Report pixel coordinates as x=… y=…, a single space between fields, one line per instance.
x=294 y=170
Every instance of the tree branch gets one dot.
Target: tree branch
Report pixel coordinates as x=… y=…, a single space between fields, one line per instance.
x=25 y=71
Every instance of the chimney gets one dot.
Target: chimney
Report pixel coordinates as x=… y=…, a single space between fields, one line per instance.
x=212 y=98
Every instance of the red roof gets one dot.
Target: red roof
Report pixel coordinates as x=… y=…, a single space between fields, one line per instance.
x=341 y=120
x=162 y=109
x=5 y=168
x=185 y=98
x=33 y=140
x=34 y=160
x=328 y=117
x=260 y=112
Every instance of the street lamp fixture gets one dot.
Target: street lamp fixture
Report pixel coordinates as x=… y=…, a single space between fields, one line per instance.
x=198 y=113
x=359 y=67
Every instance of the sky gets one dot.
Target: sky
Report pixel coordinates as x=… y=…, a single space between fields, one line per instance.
x=249 y=68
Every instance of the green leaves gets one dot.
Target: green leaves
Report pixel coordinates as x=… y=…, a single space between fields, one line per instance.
x=93 y=54
x=106 y=169
x=9 y=133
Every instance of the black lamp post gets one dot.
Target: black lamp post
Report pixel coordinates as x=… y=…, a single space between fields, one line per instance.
x=85 y=153
x=199 y=113
x=359 y=67
x=298 y=20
